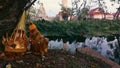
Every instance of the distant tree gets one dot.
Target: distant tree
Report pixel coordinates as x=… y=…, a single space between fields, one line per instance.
x=76 y=7
x=80 y=10
x=116 y=16
x=118 y=1
x=66 y=12
x=83 y=13
x=103 y=8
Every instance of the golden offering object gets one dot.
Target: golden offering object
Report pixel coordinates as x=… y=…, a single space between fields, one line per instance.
x=16 y=45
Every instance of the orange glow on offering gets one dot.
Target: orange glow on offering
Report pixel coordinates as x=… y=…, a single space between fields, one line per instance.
x=39 y=44
x=17 y=43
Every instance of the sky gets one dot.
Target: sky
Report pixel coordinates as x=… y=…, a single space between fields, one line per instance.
x=52 y=7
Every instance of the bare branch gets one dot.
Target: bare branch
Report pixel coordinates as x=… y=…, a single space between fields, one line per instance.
x=29 y=4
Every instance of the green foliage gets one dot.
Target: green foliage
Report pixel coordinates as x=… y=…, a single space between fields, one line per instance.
x=85 y=28
x=83 y=12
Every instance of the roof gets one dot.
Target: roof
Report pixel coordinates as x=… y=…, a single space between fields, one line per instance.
x=96 y=11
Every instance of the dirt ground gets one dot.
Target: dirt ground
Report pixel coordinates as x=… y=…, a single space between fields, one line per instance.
x=54 y=59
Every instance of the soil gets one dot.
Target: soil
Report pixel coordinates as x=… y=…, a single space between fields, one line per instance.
x=54 y=59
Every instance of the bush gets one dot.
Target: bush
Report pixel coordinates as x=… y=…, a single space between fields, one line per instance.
x=74 y=29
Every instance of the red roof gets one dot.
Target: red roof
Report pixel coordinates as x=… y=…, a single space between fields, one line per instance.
x=96 y=11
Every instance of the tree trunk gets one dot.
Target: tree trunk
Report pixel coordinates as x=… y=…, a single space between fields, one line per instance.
x=10 y=12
